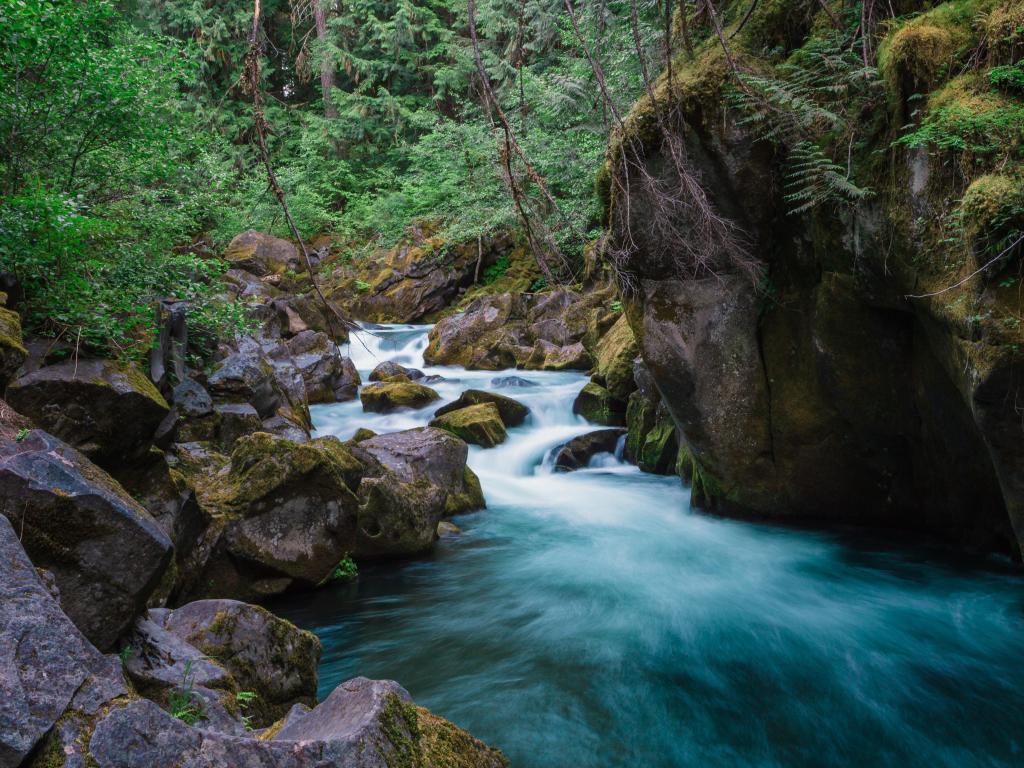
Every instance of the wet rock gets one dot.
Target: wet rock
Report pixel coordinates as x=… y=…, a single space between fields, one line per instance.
x=108 y=412
x=546 y=356
x=397 y=517
x=389 y=369
x=426 y=455
x=262 y=254
x=512 y=382
x=383 y=397
x=286 y=514
x=106 y=553
x=596 y=404
x=263 y=654
x=447 y=528
x=476 y=424
x=513 y=413
x=577 y=453
x=45 y=662
x=651 y=443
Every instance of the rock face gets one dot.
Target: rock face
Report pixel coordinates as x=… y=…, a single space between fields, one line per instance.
x=477 y=424
x=613 y=360
x=550 y=331
x=109 y=413
x=386 y=396
x=427 y=455
x=598 y=405
x=417 y=279
x=263 y=654
x=837 y=397
x=513 y=413
x=106 y=553
x=578 y=452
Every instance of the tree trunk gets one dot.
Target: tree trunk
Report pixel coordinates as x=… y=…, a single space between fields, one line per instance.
x=326 y=66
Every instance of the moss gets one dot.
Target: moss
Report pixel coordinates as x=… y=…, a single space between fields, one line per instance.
x=400 y=723
x=477 y=424
x=471 y=498
x=445 y=745
x=388 y=396
x=990 y=202
x=1004 y=31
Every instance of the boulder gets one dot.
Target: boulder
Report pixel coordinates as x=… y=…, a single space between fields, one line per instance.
x=477 y=424
x=261 y=254
x=577 y=453
x=260 y=652
x=383 y=397
x=192 y=414
x=248 y=378
x=426 y=455
x=286 y=513
x=596 y=404
x=397 y=517
x=107 y=411
x=47 y=667
x=389 y=369
x=513 y=413
x=362 y=724
x=546 y=356
x=236 y=420
x=106 y=553
x=328 y=375
x=651 y=443
x=613 y=360
x=12 y=349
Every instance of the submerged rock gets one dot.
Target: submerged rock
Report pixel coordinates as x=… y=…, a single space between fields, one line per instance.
x=387 y=396
x=479 y=424
x=514 y=382
x=107 y=411
x=105 y=551
x=577 y=453
x=513 y=413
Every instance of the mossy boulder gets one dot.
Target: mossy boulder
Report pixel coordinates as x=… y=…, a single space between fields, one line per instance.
x=387 y=396
x=328 y=376
x=12 y=347
x=106 y=552
x=284 y=513
x=479 y=424
x=261 y=254
x=109 y=412
x=613 y=360
x=264 y=654
x=389 y=369
x=513 y=413
x=596 y=404
x=426 y=454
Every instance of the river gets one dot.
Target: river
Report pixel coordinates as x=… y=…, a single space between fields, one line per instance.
x=592 y=620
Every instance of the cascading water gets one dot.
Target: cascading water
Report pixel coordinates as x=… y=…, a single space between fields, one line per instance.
x=589 y=619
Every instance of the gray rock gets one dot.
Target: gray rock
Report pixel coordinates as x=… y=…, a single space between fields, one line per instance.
x=512 y=382
x=264 y=654
x=243 y=377
x=109 y=413
x=44 y=660
x=236 y=420
x=105 y=551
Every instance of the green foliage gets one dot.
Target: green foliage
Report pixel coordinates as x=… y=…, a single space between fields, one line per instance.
x=345 y=570
x=1008 y=78
x=244 y=699
x=496 y=270
x=22 y=434
x=813 y=105
x=183 y=702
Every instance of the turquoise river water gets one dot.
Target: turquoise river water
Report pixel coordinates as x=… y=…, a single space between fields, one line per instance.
x=592 y=620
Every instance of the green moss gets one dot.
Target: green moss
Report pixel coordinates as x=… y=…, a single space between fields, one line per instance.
x=445 y=745
x=400 y=723
x=478 y=424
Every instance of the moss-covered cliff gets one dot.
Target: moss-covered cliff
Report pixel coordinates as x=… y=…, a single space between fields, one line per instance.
x=855 y=351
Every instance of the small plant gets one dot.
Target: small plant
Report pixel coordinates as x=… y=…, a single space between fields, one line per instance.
x=362 y=286
x=125 y=653
x=616 y=305
x=183 y=702
x=22 y=434
x=345 y=570
x=244 y=699
x=496 y=270
x=538 y=285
